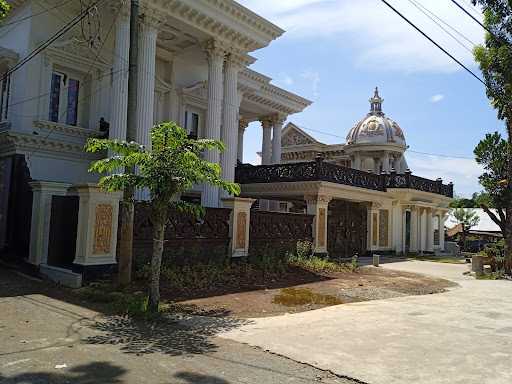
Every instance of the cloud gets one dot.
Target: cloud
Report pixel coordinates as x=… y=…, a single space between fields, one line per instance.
x=380 y=38
x=462 y=172
x=285 y=79
x=314 y=78
x=436 y=98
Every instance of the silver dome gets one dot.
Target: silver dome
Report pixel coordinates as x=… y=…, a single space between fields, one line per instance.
x=375 y=127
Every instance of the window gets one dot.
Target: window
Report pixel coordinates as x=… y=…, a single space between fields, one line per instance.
x=64 y=93
x=192 y=123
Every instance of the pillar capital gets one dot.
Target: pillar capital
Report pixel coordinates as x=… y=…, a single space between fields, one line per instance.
x=266 y=122
x=278 y=119
x=317 y=199
x=151 y=19
x=215 y=50
x=243 y=124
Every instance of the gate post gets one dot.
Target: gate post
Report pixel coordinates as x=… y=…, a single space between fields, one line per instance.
x=97 y=229
x=318 y=206
x=239 y=223
x=41 y=211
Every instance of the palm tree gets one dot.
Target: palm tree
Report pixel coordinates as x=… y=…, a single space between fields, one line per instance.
x=467 y=218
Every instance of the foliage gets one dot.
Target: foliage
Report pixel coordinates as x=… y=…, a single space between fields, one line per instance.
x=171 y=166
x=467 y=217
x=5 y=7
x=354 y=264
x=476 y=201
x=495 y=60
x=304 y=249
x=303 y=258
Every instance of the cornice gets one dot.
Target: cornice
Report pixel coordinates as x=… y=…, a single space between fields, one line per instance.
x=66 y=129
x=223 y=19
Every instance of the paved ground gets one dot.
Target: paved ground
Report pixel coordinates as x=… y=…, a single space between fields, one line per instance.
x=44 y=340
x=462 y=336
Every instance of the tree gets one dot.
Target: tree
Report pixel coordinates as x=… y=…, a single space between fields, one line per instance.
x=491 y=153
x=5 y=7
x=495 y=60
x=172 y=166
x=477 y=199
x=467 y=218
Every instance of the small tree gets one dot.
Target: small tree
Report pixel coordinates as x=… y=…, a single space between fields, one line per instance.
x=467 y=218
x=172 y=166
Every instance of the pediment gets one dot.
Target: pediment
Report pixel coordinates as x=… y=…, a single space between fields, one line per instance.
x=293 y=135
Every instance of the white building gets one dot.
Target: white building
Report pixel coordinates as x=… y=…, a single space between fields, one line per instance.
x=193 y=69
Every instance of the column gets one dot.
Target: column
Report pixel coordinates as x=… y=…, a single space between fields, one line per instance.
x=414 y=230
x=146 y=89
x=42 y=193
x=385 y=162
x=398 y=230
x=174 y=102
x=374 y=226
x=317 y=205
x=276 y=138
x=423 y=230
x=430 y=230
x=215 y=56
x=242 y=126
x=357 y=161
x=266 y=145
x=146 y=83
x=119 y=100
x=230 y=111
x=442 y=220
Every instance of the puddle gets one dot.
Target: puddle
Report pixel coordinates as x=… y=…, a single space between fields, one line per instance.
x=291 y=297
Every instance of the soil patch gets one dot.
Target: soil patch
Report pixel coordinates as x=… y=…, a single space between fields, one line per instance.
x=367 y=283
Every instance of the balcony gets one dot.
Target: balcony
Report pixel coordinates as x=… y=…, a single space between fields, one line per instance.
x=323 y=171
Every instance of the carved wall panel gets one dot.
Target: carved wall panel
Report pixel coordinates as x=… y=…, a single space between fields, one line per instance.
x=321 y=227
x=346 y=229
x=384 y=228
x=375 y=229
x=103 y=229
x=241 y=230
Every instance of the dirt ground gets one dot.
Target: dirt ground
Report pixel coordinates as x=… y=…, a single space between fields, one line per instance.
x=368 y=283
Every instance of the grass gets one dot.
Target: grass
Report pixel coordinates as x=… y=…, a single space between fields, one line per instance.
x=318 y=265
x=291 y=297
x=445 y=259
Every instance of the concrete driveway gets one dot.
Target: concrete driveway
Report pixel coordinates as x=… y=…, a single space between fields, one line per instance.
x=462 y=336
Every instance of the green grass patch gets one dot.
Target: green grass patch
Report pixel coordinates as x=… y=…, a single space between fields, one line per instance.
x=291 y=297
x=446 y=259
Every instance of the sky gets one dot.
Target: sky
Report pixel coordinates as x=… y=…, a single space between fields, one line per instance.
x=334 y=52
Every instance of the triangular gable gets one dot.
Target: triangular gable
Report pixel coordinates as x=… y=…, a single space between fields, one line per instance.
x=293 y=135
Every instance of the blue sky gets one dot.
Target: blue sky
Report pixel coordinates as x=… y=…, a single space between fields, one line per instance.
x=336 y=51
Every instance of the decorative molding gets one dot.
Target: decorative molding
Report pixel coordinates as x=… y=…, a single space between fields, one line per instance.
x=70 y=130
x=103 y=229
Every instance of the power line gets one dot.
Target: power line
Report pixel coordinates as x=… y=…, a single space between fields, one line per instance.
x=474 y=18
x=431 y=15
x=409 y=150
x=46 y=10
x=48 y=42
x=432 y=41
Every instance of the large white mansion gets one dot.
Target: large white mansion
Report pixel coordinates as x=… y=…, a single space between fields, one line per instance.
x=193 y=69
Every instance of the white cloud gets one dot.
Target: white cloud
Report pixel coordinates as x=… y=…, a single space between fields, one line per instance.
x=436 y=98
x=382 y=40
x=314 y=78
x=285 y=79
x=462 y=172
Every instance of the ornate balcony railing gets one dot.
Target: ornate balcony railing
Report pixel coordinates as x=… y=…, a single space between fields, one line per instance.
x=320 y=170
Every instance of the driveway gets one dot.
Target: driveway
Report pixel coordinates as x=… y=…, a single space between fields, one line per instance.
x=461 y=336
x=46 y=339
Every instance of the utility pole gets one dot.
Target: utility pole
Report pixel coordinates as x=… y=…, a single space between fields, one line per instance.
x=126 y=212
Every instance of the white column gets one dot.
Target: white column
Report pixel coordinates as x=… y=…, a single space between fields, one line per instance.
x=230 y=111
x=266 y=145
x=423 y=230
x=430 y=230
x=119 y=101
x=398 y=230
x=442 y=220
x=385 y=162
x=242 y=126
x=174 y=102
x=357 y=161
x=215 y=55
x=276 y=139
x=414 y=230
x=145 y=90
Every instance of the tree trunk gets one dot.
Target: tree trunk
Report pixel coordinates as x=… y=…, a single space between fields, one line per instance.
x=156 y=262
x=508 y=210
x=125 y=244
x=463 y=248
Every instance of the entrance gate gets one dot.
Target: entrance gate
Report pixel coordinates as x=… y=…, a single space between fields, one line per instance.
x=347 y=229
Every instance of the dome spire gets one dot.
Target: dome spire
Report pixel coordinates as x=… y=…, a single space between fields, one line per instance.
x=376 y=103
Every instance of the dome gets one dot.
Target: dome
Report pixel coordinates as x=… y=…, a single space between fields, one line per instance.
x=375 y=127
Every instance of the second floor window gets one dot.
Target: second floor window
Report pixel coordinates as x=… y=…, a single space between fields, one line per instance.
x=64 y=93
x=192 y=123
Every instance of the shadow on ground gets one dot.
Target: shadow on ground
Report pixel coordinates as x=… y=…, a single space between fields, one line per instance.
x=167 y=335
x=97 y=372
x=196 y=378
